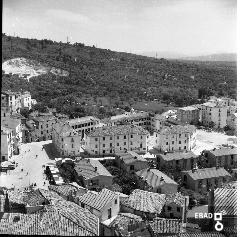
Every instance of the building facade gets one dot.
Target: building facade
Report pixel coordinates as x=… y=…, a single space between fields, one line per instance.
x=188 y=114
x=26 y=100
x=6 y=143
x=202 y=180
x=175 y=138
x=111 y=140
x=11 y=100
x=222 y=157
x=214 y=114
x=177 y=160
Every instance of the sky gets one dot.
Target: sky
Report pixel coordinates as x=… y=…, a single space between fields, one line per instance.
x=189 y=27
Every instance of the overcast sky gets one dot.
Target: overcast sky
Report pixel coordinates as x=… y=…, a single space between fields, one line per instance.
x=191 y=27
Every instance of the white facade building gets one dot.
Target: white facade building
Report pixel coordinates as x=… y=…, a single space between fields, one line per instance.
x=26 y=100
x=6 y=143
x=175 y=138
x=110 y=140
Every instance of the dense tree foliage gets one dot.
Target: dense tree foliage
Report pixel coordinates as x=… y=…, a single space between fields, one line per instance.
x=124 y=78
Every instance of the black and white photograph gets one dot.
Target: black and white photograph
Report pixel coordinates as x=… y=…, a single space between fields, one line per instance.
x=119 y=118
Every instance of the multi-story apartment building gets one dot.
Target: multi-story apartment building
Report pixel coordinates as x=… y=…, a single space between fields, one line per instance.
x=110 y=140
x=66 y=140
x=84 y=124
x=6 y=143
x=16 y=126
x=40 y=127
x=175 y=138
x=201 y=180
x=222 y=157
x=11 y=100
x=68 y=135
x=135 y=118
x=158 y=122
x=189 y=114
x=26 y=100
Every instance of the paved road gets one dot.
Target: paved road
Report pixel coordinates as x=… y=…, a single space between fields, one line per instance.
x=32 y=167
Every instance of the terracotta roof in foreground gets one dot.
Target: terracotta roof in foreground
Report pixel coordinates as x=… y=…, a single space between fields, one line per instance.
x=145 y=201
x=98 y=200
x=225 y=201
x=224 y=151
x=178 y=155
x=130 y=157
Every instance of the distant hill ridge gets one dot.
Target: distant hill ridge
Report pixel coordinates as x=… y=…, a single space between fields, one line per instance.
x=224 y=57
x=123 y=77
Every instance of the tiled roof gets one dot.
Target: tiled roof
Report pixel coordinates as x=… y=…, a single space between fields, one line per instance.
x=63 y=128
x=65 y=190
x=176 y=198
x=207 y=173
x=64 y=218
x=117 y=130
x=163 y=225
x=51 y=196
x=178 y=155
x=98 y=200
x=122 y=221
x=145 y=201
x=224 y=151
x=44 y=118
x=178 y=129
x=86 y=168
x=232 y=184
x=225 y=201
x=17 y=197
x=154 y=177
x=34 y=198
x=130 y=157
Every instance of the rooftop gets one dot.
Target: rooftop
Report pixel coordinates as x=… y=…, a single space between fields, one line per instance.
x=66 y=189
x=90 y=168
x=225 y=201
x=145 y=201
x=224 y=151
x=63 y=218
x=176 y=198
x=178 y=156
x=98 y=200
x=35 y=198
x=178 y=129
x=154 y=177
x=117 y=130
x=163 y=225
x=207 y=173
x=188 y=108
x=130 y=157
x=86 y=119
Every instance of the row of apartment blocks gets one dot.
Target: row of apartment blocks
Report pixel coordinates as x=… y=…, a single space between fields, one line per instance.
x=12 y=102
x=218 y=112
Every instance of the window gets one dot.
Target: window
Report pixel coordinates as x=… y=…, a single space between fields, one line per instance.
x=166 y=143
x=103 y=151
x=72 y=146
x=62 y=139
x=179 y=148
x=116 y=201
x=131 y=136
x=103 y=138
x=156 y=134
x=178 y=209
x=42 y=132
x=72 y=140
x=179 y=135
x=103 y=145
x=180 y=142
x=172 y=142
x=96 y=146
x=124 y=143
x=185 y=147
x=117 y=144
x=96 y=152
x=110 y=138
x=131 y=143
x=141 y=137
x=125 y=137
x=96 y=139
x=110 y=144
x=169 y=208
x=117 y=137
